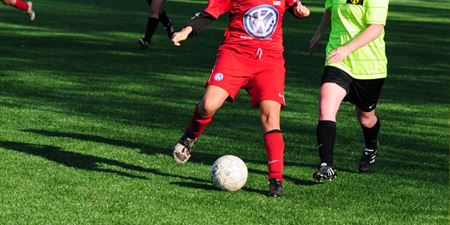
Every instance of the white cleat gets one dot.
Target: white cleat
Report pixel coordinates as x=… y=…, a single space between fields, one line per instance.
x=181 y=154
x=182 y=150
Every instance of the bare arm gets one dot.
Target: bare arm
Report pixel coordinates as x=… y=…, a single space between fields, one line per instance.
x=372 y=32
x=193 y=27
x=324 y=24
x=181 y=35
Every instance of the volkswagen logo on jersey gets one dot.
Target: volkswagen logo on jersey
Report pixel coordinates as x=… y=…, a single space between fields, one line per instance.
x=218 y=77
x=261 y=21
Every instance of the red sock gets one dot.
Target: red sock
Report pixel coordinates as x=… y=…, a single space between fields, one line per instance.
x=21 y=5
x=198 y=124
x=274 y=150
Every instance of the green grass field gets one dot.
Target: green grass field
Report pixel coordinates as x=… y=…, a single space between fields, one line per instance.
x=88 y=122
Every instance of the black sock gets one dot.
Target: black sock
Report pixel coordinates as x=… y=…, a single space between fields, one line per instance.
x=164 y=19
x=371 y=135
x=152 y=23
x=326 y=136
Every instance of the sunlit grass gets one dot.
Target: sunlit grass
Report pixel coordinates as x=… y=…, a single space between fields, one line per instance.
x=88 y=121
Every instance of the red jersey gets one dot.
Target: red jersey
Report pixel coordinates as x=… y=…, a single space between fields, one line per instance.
x=253 y=23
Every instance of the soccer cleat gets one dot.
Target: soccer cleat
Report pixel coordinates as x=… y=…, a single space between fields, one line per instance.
x=30 y=11
x=143 y=43
x=182 y=150
x=275 y=188
x=325 y=172
x=367 y=159
x=169 y=28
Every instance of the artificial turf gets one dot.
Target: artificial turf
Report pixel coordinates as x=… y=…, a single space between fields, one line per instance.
x=88 y=122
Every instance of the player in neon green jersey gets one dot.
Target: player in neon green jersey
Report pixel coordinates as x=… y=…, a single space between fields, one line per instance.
x=355 y=70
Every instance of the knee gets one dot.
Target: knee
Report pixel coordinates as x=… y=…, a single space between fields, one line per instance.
x=367 y=120
x=325 y=114
x=207 y=108
x=270 y=120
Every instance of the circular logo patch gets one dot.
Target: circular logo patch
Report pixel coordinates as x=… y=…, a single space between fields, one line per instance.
x=261 y=21
x=218 y=77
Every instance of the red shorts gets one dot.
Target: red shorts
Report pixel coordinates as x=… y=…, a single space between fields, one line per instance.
x=260 y=73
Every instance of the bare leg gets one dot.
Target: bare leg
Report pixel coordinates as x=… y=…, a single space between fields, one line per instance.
x=213 y=99
x=331 y=96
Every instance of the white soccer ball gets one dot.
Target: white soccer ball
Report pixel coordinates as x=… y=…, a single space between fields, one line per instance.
x=229 y=173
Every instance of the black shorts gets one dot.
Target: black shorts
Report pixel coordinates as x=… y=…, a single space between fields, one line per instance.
x=364 y=94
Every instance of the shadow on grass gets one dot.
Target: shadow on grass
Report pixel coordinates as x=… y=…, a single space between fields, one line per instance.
x=204 y=186
x=200 y=157
x=92 y=163
x=146 y=149
x=73 y=159
x=85 y=162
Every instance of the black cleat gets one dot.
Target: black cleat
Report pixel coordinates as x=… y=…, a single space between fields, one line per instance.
x=275 y=188
x=324 y=172
x=143 y=43
x=169 y=28
x=367 y=159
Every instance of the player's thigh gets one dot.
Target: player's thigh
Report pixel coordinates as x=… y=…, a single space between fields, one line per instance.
x=331 y=96
x=334 y=89
x=268 y=84
x=230 y=72
x=365 y=93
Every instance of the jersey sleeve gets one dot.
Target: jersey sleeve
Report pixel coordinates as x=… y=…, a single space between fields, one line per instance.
x=328 y=4
x=199 y=22
x=216 y=8
x=376 y=11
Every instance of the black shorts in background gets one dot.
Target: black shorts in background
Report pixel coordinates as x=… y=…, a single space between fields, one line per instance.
x=364 y=94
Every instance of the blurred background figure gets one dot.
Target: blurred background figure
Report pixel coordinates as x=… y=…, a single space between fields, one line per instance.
x=24 y=6
x=157 y=14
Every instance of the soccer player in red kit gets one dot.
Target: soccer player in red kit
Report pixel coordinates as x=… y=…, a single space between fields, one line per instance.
x=24 y=6
x=250 y=57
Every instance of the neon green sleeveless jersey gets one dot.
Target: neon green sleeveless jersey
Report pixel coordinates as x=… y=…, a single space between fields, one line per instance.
x=349 y=18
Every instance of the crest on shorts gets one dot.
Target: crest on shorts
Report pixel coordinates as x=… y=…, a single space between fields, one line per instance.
x=261 y=21
x=355 y=2
x=218 y=77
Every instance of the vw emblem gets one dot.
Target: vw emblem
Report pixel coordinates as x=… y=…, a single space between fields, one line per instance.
x=261 y=21
x=218 y=77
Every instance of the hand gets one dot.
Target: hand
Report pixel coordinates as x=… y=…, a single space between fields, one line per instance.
x=181 y=35
x=302 y=11
x=339 y=54
x=313 y=42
